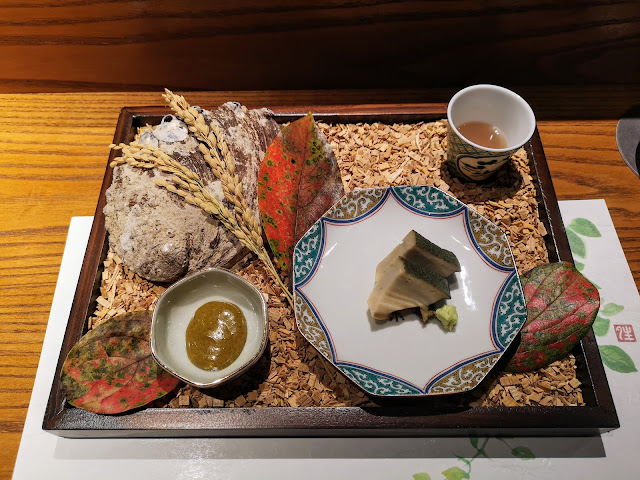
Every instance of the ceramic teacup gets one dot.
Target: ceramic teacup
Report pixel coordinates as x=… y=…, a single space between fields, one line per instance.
x=499 y=108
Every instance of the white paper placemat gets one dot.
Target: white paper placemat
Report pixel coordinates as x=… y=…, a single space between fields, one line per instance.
x=597 y=252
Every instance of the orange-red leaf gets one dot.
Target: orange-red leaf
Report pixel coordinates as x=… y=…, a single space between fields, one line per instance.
x=111 y=370
x=299 y=181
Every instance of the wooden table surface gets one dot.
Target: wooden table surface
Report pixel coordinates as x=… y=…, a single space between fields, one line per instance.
x=53 y=151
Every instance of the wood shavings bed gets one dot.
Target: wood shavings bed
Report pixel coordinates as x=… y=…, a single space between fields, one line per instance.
x=293 y=374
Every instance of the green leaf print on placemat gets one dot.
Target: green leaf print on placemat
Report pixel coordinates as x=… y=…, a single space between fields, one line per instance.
x=421 y=476
x=457 y=473
x=617 y=359
x=601 y=326
x=613 y=356
x=523 y=452
x=584 y=227
x=578 y=247
x=611 y=309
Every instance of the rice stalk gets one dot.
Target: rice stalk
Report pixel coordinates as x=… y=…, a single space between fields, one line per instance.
x=188 y=185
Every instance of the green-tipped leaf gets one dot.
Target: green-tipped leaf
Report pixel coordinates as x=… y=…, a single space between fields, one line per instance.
x=561 y=307
x=111 y=370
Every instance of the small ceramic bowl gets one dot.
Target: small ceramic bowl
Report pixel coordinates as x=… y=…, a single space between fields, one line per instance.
x=176 y=308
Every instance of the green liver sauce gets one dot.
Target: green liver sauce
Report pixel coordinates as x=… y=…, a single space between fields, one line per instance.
x=216 y=335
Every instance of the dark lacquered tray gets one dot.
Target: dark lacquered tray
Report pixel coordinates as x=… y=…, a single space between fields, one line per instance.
x=441 y=416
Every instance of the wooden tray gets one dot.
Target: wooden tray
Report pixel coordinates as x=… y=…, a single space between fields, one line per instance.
x=441 y=416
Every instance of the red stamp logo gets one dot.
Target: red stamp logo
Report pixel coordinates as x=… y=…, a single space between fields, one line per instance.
x=625 y=333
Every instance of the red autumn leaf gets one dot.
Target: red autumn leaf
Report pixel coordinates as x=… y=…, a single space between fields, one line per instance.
x=111 y=370
x=299 y=181
x=561 y=307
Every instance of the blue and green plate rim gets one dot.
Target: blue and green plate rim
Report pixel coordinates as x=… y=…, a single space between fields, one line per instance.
x=303 y=275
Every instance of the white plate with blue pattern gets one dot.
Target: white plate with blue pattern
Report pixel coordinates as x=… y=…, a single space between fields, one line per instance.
x=334 y=272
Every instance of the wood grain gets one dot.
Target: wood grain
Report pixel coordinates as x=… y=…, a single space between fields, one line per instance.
x=53 y=150
x=100 y=45
x=585 y=163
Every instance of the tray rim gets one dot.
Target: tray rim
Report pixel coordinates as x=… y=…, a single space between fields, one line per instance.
x=327 y=421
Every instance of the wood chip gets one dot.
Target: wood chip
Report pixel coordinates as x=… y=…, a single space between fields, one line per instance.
x=535 y=397
x=548 y=386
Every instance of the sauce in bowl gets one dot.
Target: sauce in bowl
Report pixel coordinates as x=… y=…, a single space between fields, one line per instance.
x=216 y=335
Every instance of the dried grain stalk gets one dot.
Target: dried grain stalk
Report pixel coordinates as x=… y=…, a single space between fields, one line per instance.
x=216 y=153
x=187 y=184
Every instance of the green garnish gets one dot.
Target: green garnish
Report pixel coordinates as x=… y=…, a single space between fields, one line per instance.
x=448 y=316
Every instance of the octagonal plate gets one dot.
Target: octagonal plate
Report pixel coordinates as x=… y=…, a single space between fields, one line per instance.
x=334 y=271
